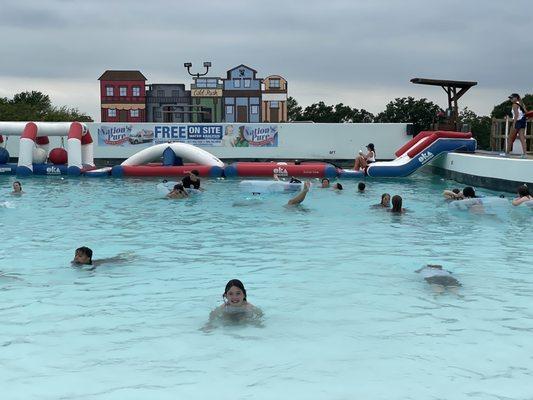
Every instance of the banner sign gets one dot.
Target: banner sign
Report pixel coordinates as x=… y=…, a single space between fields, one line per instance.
x=206 y=92
x=202 y=135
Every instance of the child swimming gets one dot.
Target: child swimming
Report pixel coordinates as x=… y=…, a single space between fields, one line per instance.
x=438 y=278
x=236 y=309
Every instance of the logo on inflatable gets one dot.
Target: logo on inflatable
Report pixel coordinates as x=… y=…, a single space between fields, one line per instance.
x=281 y=171
x=53 y=171
x=425 y=157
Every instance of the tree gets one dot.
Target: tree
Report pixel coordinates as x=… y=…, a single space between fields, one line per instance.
x=480 y=126
x=420 y=112
x=504 y=109
x=294 y=111
x=37 y=106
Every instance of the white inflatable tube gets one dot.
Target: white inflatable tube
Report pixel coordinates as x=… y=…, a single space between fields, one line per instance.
x=26 y=147
x=258 y=186
x=43 y=128
x=74 y=152
x=165 y=188
x=185 y=151
x=87 y=154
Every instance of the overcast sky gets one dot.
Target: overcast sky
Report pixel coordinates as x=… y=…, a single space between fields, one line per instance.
x=358 y=52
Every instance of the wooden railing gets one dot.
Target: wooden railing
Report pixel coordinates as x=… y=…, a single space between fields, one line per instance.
x=501 y=128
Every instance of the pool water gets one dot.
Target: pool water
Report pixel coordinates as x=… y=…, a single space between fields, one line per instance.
x=345 y=315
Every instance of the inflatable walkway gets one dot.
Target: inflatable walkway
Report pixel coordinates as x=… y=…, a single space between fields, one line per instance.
x=418 y=151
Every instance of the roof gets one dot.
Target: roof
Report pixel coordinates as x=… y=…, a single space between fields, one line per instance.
x=440 y=82
x=118 y=75
x=240 y=66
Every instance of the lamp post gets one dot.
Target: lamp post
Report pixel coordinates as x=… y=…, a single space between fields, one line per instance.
x=188 y=65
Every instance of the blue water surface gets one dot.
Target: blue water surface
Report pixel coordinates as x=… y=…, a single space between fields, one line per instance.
x=345 y=315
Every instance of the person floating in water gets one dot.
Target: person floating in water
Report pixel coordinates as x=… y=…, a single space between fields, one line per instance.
x=337 y=186
x=438 y=278
x=178 y=192
x=361 y=187
x=300 y=196
x=385 y=201
x=84 y=256
x=325 y=183
x=236 y=308
x=192 y=180
x=523 y=195
x=17 y=188
x=455 y=194
x=397 y=205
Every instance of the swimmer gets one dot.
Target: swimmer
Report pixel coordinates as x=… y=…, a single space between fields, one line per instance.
x=325 y=183
x=523 y=195
x=438 y=278
x=192 y=180
x=454 y=194
x=385 y=201
x=361 y=187
x=17 y=188
x=337 y=186
x=178 y=192
x=236 y=308
x=397 y=205
x=84 y=256
x=300 y=196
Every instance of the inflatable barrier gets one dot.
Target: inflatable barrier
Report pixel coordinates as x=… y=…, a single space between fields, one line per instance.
x=257 y=186
x=481 y=205
x=350 y=174
x=165 y=188
x=267 y=169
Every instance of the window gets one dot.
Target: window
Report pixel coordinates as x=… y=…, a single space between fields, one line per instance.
x=136 y=91
x=229 y=109
x=201 y=83
x=274 y=104
x=211 y=83
x=160 y=93
x=236 y=83
x=109 y=91
x=275 y=83
x=111 y=112
x=175 y=93
x=158 y=114
x=134 y=113
x=123 y=91
x=247 y=82
x=254 y=109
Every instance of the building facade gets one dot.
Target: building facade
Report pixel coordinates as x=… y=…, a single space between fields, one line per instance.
x=274 y=99
x=168 y=102
x=122 y=96
x=242 y=95
x=206 y=99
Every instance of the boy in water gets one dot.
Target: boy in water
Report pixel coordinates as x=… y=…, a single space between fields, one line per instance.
x=83 y=256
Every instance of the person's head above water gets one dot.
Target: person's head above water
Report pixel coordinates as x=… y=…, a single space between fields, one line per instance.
x=523 y=191
x=17 y=187
x=235 y=293
x=456 y=191
x=83 y=255
x=337 y=186
x=361 y=186
x=385 y=200
x=194 y=174
x=325 y=183
x=469 y=192
x=396 y=203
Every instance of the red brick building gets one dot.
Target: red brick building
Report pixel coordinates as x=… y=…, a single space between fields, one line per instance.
x=123 y=96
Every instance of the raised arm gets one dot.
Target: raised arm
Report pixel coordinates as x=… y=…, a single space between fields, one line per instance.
x=300 y=196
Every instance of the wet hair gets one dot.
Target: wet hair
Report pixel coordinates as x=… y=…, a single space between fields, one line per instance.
x=523 y=191
x=18 y=183
x=383 y=197
x=294 y=180
x=236 y=283
x=361 y=186
x=456 y=191
x=371 y=147
x=436 y=266
x=338 y=186
x=86 y=251
x=325 y=179
x=469 y=192
x=195 y=172
x=178 y=186
x=396 y=204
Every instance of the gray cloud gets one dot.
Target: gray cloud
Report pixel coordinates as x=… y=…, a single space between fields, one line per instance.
x=350 y=47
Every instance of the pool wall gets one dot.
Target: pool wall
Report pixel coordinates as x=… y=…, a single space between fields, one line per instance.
x=484 y=170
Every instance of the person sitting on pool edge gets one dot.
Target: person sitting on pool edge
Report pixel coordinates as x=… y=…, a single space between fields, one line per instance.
x=300 y=196
x=192 y=180
x=363 y=160
x=17 y=188
x=361 y=187
x=178 y=192
x=523 y=195
x=385 y=201
x=397 y=205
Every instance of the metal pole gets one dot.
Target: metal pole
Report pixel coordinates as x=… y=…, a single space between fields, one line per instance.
x=506 y=133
